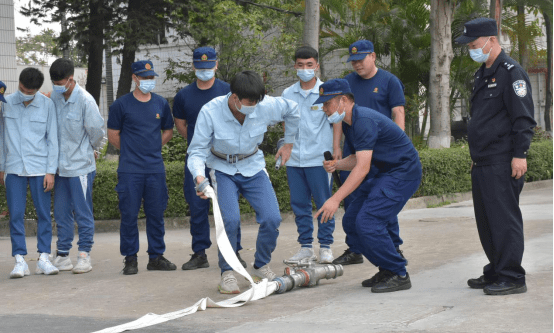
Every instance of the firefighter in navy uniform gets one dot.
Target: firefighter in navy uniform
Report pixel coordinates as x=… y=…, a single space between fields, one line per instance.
x=499 y=135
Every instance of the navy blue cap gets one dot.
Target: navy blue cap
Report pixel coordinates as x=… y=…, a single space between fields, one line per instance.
x=480 y=27
x=332 y=88
x=204 y=57
x=143 y=68
x=2 y=91
x=360 y=49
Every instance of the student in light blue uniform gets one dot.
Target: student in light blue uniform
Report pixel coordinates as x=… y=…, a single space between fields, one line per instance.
x=186 y=106
x=29 y=157
x=139 y=124
x=80 y=133
x=226 y=138
x=377 y=89
x=305 y=173
x=376 y=142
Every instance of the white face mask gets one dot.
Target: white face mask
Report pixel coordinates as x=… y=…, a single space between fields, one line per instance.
x=204 y=74
x=147 y=86
x=336 y=117
x=305 y=75
x=25 y=98
x=245 y=109
x=61 y=89
x=478 y=55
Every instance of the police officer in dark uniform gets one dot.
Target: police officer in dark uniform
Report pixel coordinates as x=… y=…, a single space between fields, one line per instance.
x=499 y=135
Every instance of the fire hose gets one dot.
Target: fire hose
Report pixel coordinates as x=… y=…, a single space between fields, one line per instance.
x=301 y=274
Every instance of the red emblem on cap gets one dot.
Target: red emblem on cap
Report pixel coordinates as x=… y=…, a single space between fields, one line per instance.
x=204 y=57
x=354 y=50
x=320 y=91
x=493 y=80
x=147 y=66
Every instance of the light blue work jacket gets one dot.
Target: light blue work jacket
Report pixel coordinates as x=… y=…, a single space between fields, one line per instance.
x=30 y=136
x=216 y=126
x=80 y=132
x=315 y=133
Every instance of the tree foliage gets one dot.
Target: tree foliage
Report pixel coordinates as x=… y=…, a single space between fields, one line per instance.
x=41 y=48
x=245 y=36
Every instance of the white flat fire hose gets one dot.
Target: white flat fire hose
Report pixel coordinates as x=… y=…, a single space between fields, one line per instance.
x=258 y=291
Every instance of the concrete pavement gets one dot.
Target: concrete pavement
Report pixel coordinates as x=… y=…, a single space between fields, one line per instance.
x=441 y=244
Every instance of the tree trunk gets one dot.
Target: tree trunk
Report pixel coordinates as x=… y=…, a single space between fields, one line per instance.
x=109 y=88
x=439 y=82
x=311 y=24
x=95 y=50
x=521 y=39
x=129 y=50
x=496 y=13
x=548 y=108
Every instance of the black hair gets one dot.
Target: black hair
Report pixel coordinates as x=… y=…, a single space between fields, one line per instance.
x=305 y=52
x=249 y=85
x=31 y=78
x=350 y=96
x=61 y=69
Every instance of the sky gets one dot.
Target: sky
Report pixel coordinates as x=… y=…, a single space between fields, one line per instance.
x=24 y=22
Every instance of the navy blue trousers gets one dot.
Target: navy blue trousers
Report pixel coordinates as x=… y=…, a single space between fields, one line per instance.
x=499 y=220
x=133 y=189
x=261 y=196
x=73 y=204
x=379 y=201
x=16 y=197
x=349 y=226
x=305 y=183
x=199 y=210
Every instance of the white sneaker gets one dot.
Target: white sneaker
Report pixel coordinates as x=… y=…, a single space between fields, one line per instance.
x=44 y=266
x=305 y=253
x=228 y=283
x=62 y=263
x=21 y=269
x=325 y=256
x=84 y=264
x=262 y=273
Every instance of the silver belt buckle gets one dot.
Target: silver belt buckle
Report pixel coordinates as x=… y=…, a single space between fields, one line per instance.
x=233 y=159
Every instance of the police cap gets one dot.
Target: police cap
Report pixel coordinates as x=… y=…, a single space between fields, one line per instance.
x=332 y=88
x=476 y=28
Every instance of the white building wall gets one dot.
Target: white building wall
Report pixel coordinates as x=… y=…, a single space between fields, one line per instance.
x=7 y=45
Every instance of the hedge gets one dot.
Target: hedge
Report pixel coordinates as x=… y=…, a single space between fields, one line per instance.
x=444 y=171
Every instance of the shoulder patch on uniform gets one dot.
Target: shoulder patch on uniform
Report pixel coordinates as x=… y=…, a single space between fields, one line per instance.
x=520 y=87
x=508 y=65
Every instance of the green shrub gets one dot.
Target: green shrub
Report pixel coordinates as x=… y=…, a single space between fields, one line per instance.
x=539 y=161
x=444 y=171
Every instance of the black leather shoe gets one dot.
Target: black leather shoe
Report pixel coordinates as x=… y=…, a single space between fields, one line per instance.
x=479 y=283
x=349 y=258
x=160 y=264
x=402 y=255
x=131 y=265
x=392 y=282
x=196 y=261
x=242 y=262
x=505 y=288
x=374 y=279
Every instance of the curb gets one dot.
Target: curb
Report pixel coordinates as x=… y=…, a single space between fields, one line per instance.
x=173 y=223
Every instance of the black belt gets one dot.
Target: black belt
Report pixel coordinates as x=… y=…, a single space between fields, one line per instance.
x=233 y=158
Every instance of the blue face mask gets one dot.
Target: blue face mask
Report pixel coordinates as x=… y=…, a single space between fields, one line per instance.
x=205 y=74
x=478 y=55
x=25 y=98
x=336 y=117
x=245 y=109
x=147 y=86
x=305 y=75
x=60 y=89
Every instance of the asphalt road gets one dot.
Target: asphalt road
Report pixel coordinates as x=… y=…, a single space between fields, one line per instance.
x=441 y=244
